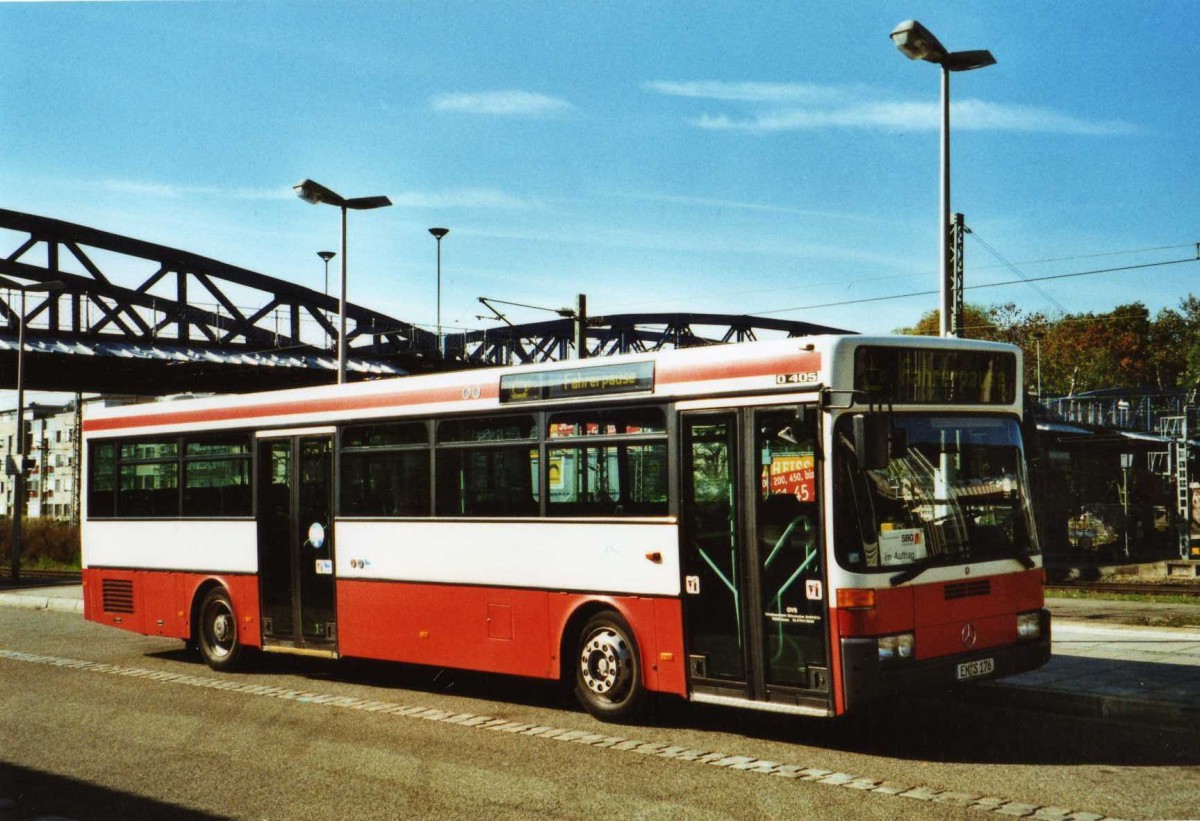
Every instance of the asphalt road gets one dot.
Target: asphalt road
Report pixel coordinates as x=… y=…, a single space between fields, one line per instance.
x=139 y=729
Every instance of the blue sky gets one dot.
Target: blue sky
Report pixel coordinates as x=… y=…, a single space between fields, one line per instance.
x=760 y=157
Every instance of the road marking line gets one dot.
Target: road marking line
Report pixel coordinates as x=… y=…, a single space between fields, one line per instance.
x=743 y=763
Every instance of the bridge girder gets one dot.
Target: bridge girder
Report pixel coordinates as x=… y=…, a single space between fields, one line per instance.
x=552 y=340
x=188 y=303
x=184 y=326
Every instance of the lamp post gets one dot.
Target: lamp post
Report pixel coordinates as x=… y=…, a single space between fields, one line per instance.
x=1126 y=464
x=15 y=467
x=325 y=257
x=318 y=194
x=438 y=233
x=1037 y=341
x=918 y=43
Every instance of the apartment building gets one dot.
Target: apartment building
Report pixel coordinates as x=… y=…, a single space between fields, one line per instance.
x=52 y=443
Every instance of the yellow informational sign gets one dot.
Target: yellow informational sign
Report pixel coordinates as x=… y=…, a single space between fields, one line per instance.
x=791 y=473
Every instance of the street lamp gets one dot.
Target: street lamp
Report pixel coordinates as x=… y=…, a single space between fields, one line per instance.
x=326 y=256
x=15 y=467
x=918 y=43
x=438 y=233
x=318 y=194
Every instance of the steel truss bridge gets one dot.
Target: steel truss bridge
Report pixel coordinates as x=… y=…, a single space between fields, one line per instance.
x=136 y=317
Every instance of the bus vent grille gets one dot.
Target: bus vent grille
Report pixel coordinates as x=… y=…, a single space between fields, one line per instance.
x=117 y=595
x=965 y=590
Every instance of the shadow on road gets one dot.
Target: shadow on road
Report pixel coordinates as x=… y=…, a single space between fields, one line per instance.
x=36 y=794
x=956 y=730
x=972 y=728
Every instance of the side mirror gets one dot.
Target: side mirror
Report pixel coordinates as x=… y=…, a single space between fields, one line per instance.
x=871 y=440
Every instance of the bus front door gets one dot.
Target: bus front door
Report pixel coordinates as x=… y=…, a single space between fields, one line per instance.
x=754 y=588
x=295 y=543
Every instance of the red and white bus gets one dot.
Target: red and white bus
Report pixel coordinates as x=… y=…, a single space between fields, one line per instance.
x=797 y=525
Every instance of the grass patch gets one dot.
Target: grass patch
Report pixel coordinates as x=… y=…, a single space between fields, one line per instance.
x=46 y=544
x=1143 y=598
x=1160 y=611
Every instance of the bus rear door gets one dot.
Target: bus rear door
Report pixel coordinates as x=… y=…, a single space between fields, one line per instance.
x=295 y=542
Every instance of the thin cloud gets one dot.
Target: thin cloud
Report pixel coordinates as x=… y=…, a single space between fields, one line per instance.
x=690 y=243
x=777 y=107
x=732 y=205
x=460 y=198
x=511 y=103
x=172 y=191
x=744 y=92
x=981 y=115
x=970 y=115
x=451 y=198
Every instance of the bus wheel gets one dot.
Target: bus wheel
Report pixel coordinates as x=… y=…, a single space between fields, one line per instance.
x=217 y=635
x=608 y=673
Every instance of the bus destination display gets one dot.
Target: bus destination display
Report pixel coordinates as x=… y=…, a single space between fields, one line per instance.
x=601 y=380
x=935 y=375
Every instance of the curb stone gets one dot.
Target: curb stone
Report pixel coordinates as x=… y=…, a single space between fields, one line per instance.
x=26 y=601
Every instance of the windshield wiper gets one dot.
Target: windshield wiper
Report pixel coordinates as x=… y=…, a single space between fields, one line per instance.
x=916 y=571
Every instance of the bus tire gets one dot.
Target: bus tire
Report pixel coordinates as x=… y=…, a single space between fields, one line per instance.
x=217 y=632
x=608 y=669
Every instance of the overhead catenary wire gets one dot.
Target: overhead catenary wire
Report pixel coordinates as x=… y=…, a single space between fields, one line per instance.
x=1046 y=278
x=1010 y=266
x=922 y=275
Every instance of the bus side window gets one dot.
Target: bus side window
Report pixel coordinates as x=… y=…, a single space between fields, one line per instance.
x=487 y=481
x=102 y=480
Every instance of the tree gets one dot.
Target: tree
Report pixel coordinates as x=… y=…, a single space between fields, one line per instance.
x=994 y=323
x=1121 y=348
x=977 y=324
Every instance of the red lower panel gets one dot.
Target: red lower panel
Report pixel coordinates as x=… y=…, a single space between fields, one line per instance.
x=500 y=630
x=446 y=626
x=937 y=614
x=159 y=602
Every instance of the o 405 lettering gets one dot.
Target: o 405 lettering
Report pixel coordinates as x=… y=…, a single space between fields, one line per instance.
x=795 y=378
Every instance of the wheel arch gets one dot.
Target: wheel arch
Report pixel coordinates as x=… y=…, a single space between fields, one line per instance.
x=198 y=594
x=243 y=595
x=640 y=616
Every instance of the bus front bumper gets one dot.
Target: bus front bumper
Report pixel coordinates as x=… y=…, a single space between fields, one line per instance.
x=866 y=679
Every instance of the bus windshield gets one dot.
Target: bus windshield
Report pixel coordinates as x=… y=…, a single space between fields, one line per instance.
x=954 y=490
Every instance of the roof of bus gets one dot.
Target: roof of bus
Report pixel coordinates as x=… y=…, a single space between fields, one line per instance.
x=795 y=364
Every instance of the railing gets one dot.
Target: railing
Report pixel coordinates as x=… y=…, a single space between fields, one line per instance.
x=1132 y=412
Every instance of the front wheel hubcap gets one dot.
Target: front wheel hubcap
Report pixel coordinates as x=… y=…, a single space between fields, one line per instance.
x=605 y=664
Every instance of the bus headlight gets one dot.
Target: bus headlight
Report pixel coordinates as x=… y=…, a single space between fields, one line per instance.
x=898 y=647
x=1029 y=625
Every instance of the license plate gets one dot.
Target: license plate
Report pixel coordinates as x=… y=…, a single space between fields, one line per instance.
x=975 y=669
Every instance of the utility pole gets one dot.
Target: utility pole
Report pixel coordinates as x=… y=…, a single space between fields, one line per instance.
x=77 y=463
x=580 y=321
x=958 y=230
